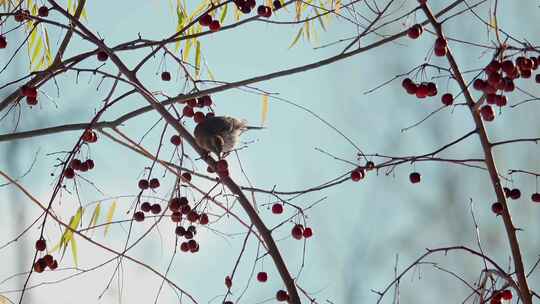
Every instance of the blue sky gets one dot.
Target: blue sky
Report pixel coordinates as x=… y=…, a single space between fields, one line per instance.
x=359 y=228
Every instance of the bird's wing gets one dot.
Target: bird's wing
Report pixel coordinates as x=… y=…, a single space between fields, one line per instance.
x=222 y=124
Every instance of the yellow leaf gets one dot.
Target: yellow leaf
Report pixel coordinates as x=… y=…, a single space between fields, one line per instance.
x=109 y=217
x=74 y=251
x=4 y=300
x=264 y=110
x=95 y=215
x=223 y=13
x=197 y=60
x=37 y=51
x=308 y=35
x=300 y=32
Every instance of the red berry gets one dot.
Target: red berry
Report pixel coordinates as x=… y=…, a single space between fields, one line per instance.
x=186 y=176
x=497 y=208
x=75 y=164
x=192 y=216
x=143 y=184
x=501 y=100
x=297 y=231
x=479 y=84
x=508 y=84
x=440 y=43
x=176 y=217
x=31 y=101
x=154 y=183
x=84 y=167
x=507 y=66
x=205 y=100
x=262 y=276
x=357 y=174
x=506 y=294
x=494 y=79
x=447 y=99
x=174 y=204
x=407 y=82
x=48 y=259
x=440 y=52
x=146 y=206
x=165 y=76
x=176 y=140
x=192 y=103
x=203 y=219
x=188 y=235
x=69 y=173
x=491 y=98
x=155 y=209
x=525 y=73
x=535 y=197
x=214 y=26
x=506 y=191
x=89 y=136
x=188 y=111
x=222 y=165
x=3 y=42
x=54 y=265
x=184 y=247
x=264 y=11
x=414 y=31
x=515 y=194
x=493 y=67
x=432 y=89
x=102 y=56
x=192 y=244
x=414 y=177
x=422 y=91
x=21 y=15
x=90 y=164
x=487 y=113
x=228 y=282
x=180 y=231
x=41 y=245
x=277 y=208
x=370 y=165
x=205 y=20
x=282 y=296
x=138 y=216
x=277 y=4
x=199 y=117
x=43 y=11
x=307 y=232
x=38 y=266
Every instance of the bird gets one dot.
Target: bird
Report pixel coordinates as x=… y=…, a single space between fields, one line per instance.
x=220 y=134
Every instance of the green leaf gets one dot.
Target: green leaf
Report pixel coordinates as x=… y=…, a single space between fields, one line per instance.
x=109 y=217
x=223 y=13
x=300 y=32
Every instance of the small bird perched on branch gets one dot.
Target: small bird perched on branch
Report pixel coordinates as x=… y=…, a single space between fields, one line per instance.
x=219 y=134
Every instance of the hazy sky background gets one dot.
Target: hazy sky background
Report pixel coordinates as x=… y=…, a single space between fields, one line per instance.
x=359 y=228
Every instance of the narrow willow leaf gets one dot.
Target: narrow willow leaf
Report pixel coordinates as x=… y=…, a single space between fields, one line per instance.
x=308 y=35
x=337 y=6
x=187 y=49
x=321 y=21
x=37 y=51
x=73 y=244
x=264 y=109
x=223 y=13
x=210 y=75
x=197 y=60
x=109 y=217
x=300 y=32
x=48 y=47
x=95 y=215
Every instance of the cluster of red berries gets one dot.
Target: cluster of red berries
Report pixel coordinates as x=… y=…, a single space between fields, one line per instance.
x=206 y=20
x=46 y=261
x=180 y=206
x=89 y=136
x=421 y=90
x=298 y=232
x=415 y=31
x=146 y=207
x=145 y=184
x=190 y=244
x=501 y=295
x=191 y=104
x=500 y=78
x=21 y=15
x=30 y=93
x=78 y=165
x=516 y=194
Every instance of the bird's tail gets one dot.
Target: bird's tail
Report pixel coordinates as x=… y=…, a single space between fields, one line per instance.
x=254 y=128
